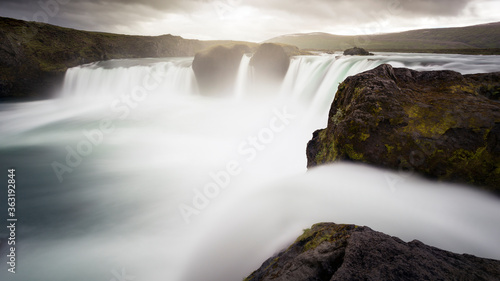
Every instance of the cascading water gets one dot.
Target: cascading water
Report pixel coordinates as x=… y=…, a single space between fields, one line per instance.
x=244 y=75
x=110 y=173
x=115 y=77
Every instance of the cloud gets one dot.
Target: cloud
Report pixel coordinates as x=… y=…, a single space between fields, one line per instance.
x=254 y=20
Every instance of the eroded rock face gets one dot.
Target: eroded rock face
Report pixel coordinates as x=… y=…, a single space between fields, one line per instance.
x=216 y=69
x=357 y=52
x=334 y=252
x=270 y=62
x=439 y=123
x=269 y=65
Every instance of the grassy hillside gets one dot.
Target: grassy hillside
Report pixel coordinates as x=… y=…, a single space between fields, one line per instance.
x=486 y=36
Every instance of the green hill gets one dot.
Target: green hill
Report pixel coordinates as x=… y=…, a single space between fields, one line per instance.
x=485 y=36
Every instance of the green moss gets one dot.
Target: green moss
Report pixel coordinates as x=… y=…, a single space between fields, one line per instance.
x=339 y=116
x=314 y=238
x=341 y=86
x=327 y=151
x=364 y=136
x=357 y=92
x=351 y=153
x=462 y=88
x=429 y=121
x=389 y=148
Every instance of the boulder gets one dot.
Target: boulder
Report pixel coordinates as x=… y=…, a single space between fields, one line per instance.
x=217 y=67
x=269 y=66
x=357 y=52
x=270 y=63
x=439 y=123
x=334 y=252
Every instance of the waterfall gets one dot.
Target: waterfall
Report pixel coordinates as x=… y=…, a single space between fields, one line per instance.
x=311 y=80
x=243 y=77
x=120 y=77
x=129 y=165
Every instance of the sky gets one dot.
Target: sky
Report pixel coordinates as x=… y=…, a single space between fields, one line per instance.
x=252 y=20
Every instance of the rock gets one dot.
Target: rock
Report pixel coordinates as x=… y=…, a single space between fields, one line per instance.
x=270 y=62
x=334 y=252
x=438 y=123
x=216 y=69
x=357 y=52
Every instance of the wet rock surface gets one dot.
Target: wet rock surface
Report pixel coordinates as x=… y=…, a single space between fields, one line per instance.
x=334 y=252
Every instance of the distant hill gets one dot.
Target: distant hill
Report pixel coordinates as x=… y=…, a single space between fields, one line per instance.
x=485 y=36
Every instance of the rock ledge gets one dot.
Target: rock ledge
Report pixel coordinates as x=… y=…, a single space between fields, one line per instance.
x=334 y=252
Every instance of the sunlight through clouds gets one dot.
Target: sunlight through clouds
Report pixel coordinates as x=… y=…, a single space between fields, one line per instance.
x=258 y=20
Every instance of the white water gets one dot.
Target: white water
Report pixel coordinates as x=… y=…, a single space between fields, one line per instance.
x=119 y=208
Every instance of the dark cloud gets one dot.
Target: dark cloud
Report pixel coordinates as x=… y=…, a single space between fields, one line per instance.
x=434 y=7
x=156 y=4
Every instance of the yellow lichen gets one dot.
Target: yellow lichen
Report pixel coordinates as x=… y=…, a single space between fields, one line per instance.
x=429 y=122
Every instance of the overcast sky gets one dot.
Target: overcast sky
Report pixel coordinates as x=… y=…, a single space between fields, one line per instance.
x=252 y=20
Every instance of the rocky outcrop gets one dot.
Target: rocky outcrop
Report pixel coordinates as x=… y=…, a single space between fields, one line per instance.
x=334 y=252
x=357 y=52
x=270 y=62
x=216 y=68
x=439 y=123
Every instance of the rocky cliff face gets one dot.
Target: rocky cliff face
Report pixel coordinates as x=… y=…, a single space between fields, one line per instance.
x=270 y=62
x=334 y=252
x=440 y=123
x=34 y=56
x=216 y=68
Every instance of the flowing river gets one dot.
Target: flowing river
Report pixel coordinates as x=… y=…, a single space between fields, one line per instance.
x=131 y=174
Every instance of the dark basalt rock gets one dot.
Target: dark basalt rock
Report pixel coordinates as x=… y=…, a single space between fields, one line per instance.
x=357 y=52
x=216 y=68
x=334 y=252
x=439 y=123
x=270 y=64
x=270 y=61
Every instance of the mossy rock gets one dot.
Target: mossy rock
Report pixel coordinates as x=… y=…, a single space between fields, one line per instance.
x=441 y=124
